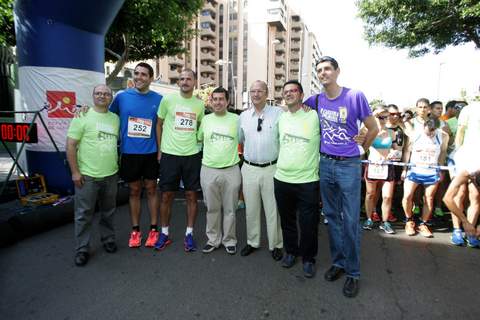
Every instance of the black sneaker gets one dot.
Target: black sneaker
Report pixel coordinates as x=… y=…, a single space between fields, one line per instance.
x=110 y=247
x=208 y=248
x=81 y=259
x=231 y=249
x=309 y=269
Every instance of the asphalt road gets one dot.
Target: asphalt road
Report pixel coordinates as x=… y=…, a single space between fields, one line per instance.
x=402 y=278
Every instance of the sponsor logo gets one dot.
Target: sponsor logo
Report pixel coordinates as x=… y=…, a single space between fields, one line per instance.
x=61 y=104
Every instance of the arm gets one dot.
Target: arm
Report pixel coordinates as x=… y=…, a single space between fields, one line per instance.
x=459 y=136
x=159 y=137
x=407 y=152
x=77 y=177
x=443 y=150
x=371 y=125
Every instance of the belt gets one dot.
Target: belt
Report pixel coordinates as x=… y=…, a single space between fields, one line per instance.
x=261 y=165
x=332 y=157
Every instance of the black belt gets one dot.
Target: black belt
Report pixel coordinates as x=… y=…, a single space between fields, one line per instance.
x=332 y=157
x=261 y=165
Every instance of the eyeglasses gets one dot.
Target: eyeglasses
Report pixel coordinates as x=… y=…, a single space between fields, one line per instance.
x=295 y=90
x=382 y=117
x=394 y=114
x=259 y=124
x=102 y=94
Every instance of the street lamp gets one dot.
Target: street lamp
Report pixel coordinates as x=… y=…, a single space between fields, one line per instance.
x=224 y=62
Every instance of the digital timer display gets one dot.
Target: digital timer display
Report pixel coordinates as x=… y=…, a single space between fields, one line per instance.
x=17 y=132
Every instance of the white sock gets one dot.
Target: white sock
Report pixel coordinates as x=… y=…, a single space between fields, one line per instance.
x=165 y=230
x=189 y=231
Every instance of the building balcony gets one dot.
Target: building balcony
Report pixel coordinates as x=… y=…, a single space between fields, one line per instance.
x=294 y=56
x=280 y=59
x=207 y=32
x=205 y=68
x=173 y=74
x=279 y=83
x=176 y=61
x=296 y=25
x=293 y=75
x=207 y=80
x=207 y=44
x=280 y=47
x=207 y=18
x=209 y=6
x=280 y=35
x=295 y=45
x=279 y=71
x=295 y=35
x=208 y=56
x=294 y=66
x=278 y=95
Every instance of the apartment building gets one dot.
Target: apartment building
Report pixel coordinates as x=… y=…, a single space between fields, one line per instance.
x=240 y=41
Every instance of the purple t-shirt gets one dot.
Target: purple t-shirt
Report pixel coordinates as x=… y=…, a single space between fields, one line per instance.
x=340 y=120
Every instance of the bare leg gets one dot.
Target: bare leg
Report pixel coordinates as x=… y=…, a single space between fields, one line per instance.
x=151 y=187
x=387 y=196
x=134 y=201
x=371 y=187
x=191 y=197
x=474 y=197
x=165 y=206
x=409 y=188
x=428 y=201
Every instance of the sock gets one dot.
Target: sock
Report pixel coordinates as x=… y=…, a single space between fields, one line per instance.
x=154 y=227
x=136 y=228
x=165 y=230
x=189 y=231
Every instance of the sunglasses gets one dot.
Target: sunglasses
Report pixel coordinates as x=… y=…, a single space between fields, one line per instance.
x=382 y=117
x=394 y=114
x=259 y=124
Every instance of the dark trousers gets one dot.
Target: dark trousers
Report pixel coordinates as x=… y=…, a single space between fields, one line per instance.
x=301 y=197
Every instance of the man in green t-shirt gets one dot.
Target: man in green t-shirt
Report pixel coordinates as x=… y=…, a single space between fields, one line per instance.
x=220 y=174
x=179 y=118
x=93 y=159
x=296 y=179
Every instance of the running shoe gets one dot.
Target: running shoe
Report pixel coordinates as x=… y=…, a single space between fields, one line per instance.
x=473 y=242
x=189 y=244
x=410 y=228
x=152 y=238
x=375 y=217
x=391 y=218
x=231 y=249
x=438 y=212
x=425 y=231
x=368 y=224
x=135 y=239
x=457 y=237
x=208 y=248
x=387 y=227
x=163 y=242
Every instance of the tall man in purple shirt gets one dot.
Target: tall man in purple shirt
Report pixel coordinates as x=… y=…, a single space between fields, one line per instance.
x=341 y=111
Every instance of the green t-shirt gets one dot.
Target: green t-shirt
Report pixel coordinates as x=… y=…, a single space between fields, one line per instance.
x=97 y=135
x=299 y=136
x=181 y=118
x=220 y=140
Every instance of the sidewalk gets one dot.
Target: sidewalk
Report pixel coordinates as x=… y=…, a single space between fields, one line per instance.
x=402 y=278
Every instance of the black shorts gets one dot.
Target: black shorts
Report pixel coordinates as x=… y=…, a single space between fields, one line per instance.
x=173 y=168
x=134 y=167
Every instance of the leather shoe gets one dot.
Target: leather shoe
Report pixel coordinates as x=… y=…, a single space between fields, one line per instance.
x=350 y=288
x=277 y=254
x=288 y=261
x=247 y=250
x=334 y=273
x=309 y=269
x=81 y=259
x=110 y=247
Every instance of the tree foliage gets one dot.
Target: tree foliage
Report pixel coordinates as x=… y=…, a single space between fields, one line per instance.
x=150 y=28
x=7 y=29
x=421 y=26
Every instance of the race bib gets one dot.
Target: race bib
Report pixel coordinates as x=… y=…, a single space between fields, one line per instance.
x=139 y=128
x=185 y=121
x=427 y=157
x=377 y=171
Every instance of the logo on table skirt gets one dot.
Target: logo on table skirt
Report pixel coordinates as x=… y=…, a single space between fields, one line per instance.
x=61 y=104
